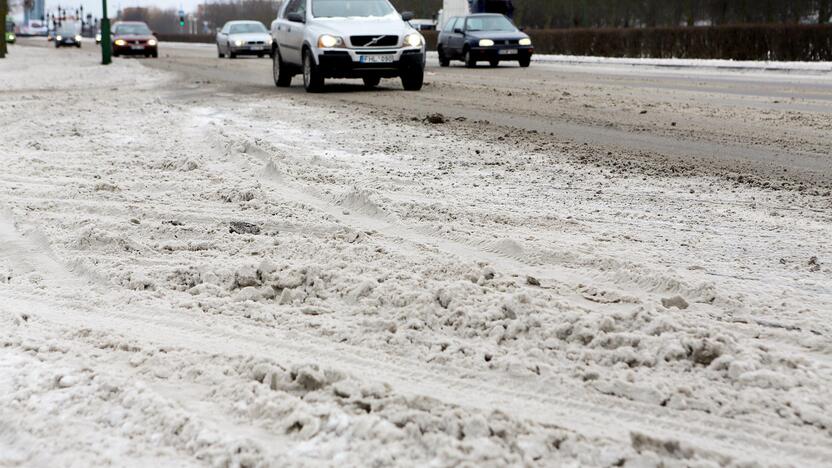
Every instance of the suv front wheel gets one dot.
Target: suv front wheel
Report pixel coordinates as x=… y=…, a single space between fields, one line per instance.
x=313 y=80
x=282 y=75
x=412 y=79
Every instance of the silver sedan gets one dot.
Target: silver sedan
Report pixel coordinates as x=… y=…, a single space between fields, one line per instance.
x=243 y=38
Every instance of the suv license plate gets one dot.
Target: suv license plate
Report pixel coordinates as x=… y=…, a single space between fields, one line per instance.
x=376 y=58
x=137 y=47
x=508 y=52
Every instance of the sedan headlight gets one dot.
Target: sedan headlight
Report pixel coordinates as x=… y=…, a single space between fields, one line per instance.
x=414 y=40
x=326 y=41
x=525 y=41
x=238 y=43
x=151 y=42
x=486 y=43
x=120 y=42
x=11 y=36
x=98 y=37
x=78 y=38
x=58 y=38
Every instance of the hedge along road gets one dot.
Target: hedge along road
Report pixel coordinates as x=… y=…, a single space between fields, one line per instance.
x=768 y=127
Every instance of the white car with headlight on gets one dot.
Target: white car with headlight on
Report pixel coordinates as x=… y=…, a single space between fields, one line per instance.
x=243 y=38
x=364 y=39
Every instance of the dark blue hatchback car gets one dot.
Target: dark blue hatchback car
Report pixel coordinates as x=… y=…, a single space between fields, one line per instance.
x=483 y=37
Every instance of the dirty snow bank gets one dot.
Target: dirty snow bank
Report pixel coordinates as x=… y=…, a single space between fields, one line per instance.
x=245 y=288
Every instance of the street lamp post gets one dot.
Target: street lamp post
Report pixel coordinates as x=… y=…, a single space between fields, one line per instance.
x=105 y=35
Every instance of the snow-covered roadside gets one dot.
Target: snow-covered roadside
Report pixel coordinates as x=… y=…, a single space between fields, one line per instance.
x=251 y=281
x=820 y=67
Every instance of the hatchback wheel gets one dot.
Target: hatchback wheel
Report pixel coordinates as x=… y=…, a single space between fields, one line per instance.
x=469 y=59
x=444 y=61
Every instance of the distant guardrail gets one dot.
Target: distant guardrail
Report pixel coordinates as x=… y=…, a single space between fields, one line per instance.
x=805 y=43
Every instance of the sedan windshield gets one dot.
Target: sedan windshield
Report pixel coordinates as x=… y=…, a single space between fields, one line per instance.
x=68 y=30
x=351 y=8
x=133 y=30
x=244 y=28
x=490 y=23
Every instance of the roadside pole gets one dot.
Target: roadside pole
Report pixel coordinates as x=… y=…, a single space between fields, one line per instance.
x=106 y=42
x=4 y=9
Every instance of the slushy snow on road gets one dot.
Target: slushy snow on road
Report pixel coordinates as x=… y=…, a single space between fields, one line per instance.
x=192 y=277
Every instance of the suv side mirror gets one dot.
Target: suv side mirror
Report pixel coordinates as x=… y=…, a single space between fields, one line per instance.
x=407 y=15
x=296 y=17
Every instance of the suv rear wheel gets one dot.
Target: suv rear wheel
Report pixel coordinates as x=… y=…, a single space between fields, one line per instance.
x=282 y=75
x=371 y=81
x=313 y=80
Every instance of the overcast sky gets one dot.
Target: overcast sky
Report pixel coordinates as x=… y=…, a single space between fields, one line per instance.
x=94 y=6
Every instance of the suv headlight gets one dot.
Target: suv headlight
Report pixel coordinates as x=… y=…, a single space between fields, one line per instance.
x=414 y=40
x=120 y=42
x=78 y=38
x=327 y=42
x=525 y=41
x=486 y=43
x=151 y=42
x=58 y=37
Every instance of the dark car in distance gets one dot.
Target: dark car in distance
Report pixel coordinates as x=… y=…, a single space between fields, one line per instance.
x=68 y=34
x=134 y=38
x=492 y=38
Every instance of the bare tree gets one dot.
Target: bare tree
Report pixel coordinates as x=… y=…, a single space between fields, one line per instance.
x=824 y=11
x=641 y=13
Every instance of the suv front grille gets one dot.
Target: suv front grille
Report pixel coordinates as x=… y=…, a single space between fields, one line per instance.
x=374 y=41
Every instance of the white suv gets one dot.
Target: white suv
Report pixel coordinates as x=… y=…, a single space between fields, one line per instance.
x=364 y=39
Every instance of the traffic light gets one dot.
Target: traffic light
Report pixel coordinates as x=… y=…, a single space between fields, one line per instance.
x=181 y=19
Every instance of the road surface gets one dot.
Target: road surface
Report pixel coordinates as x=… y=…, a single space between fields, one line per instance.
x=751 y=123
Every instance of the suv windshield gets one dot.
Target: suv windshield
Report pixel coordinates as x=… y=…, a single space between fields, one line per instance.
x=133 y=29
x=351 y=8
x=244 y=28
x=490 y=23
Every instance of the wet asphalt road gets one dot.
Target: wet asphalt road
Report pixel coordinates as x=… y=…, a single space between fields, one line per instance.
x=769 y=124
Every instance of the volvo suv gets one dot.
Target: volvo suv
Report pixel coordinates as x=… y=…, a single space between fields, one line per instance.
x=364 y=39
